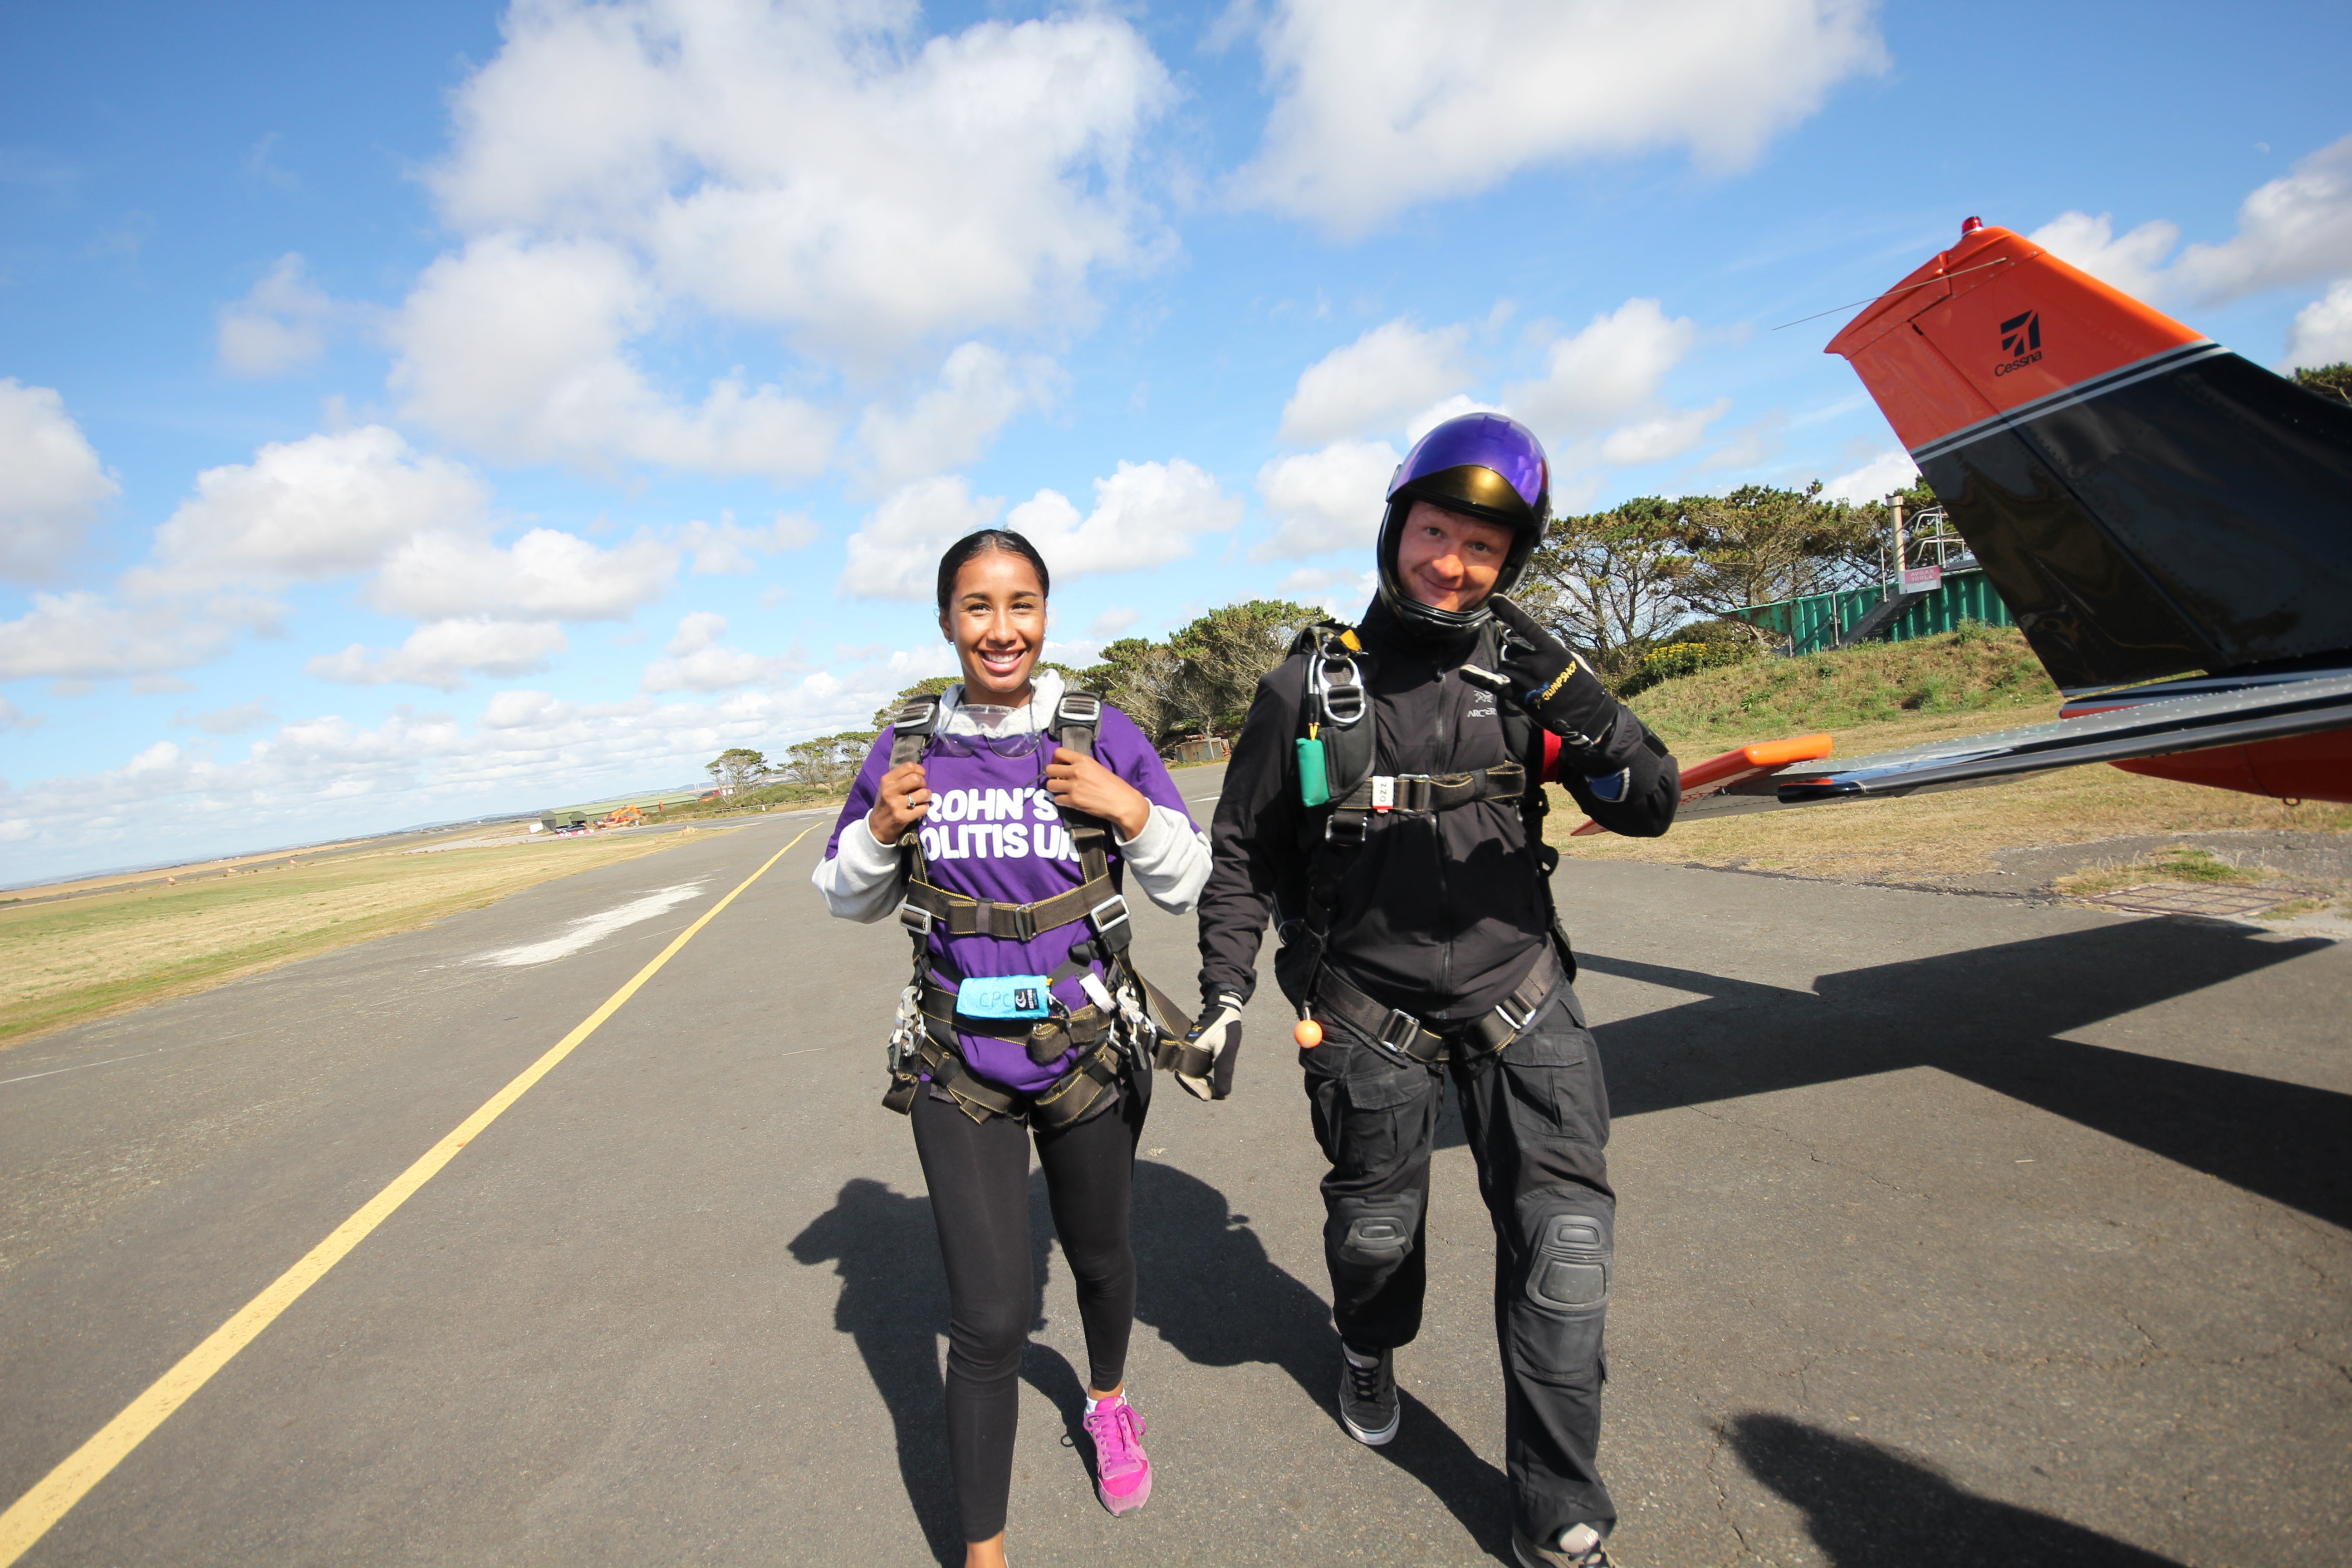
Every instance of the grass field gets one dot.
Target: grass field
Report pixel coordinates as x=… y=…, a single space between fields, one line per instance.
x=1885 y=696
x=77 y=959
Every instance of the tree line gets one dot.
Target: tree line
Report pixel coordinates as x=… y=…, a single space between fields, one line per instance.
x=1646 y=588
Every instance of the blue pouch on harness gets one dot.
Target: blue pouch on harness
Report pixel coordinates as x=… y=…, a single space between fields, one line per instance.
x=1005 y=996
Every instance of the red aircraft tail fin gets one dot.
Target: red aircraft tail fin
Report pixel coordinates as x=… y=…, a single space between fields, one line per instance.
x=2146 y=501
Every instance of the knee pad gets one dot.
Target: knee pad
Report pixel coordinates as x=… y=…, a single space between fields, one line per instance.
x=1375 y=1231
x=1570 y=1255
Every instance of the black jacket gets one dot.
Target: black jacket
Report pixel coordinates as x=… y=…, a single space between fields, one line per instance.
x=1441 y=913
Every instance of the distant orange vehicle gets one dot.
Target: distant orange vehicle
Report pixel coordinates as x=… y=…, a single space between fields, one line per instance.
x=2171 y=525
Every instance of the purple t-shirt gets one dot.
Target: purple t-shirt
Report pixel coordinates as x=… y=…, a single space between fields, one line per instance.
x=993 y=833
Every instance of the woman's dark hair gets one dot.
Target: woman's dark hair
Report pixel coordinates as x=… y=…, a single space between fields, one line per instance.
x=980 y=543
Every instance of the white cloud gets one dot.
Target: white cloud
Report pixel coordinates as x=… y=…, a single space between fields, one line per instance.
x=1329 y=499
x=233 y=719
x=322 y=507
x=2134 y=263
x=695 y=632
x=725 y=548
x=546 y=574
x=2322 y=333
x=81 y=637
x=324 y=776
x=1667 y=435
x=979 y=389
x=442 y=653
x=14 y=717
x=1368 y=386
x=51 y=486
x=1438 y=413
x=1145 y=514
x=1448 y=97
x=895 y=554
x=1607 y=371
x=2294 y=230
x=1874 y=480
x=281 y=324
x=520 y=351
x=1112 y=622
x=822 y=170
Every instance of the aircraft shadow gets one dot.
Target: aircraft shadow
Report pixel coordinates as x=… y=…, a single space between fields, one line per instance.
x=894 y=1307
x=1869 y=1506
x=1992 y=1015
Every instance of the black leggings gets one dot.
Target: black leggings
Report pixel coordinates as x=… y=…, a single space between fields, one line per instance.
x=979 y=1177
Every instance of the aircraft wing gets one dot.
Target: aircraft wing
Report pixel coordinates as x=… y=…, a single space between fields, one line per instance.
x=2273 y=710
x=1738 y=780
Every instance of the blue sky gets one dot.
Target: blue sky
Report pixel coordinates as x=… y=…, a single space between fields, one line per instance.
x=408 y=411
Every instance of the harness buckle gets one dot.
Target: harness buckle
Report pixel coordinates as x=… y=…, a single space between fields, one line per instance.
x=1414 y=793
x=917 y=921
x=1503 y=1011
x=1102 y=924
x=1400 y=1030
x=1024 y=920
x=1079 y=707
x=1353 y=837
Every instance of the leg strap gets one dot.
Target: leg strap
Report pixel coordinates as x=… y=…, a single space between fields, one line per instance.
x=1333 y=996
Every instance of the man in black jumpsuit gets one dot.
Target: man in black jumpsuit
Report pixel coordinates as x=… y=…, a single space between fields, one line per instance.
x=1437 y=955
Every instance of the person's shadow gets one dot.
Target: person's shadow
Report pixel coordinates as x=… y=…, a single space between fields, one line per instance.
x=1203 y=1281
x=1869 y=1506
x=894 y=1306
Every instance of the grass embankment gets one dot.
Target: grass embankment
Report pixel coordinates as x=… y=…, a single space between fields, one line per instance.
x=77 y=959
x=1883 y=697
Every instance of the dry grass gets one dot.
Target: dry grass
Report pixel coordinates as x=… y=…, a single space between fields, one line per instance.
x=78 y=959
x=1963 y=684
x=2181 y=864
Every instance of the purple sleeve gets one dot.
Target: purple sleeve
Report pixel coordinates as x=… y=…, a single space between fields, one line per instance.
x=1124 y=748
x=863 y=792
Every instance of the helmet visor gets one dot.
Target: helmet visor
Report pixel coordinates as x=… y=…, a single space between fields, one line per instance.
x=1501 y=446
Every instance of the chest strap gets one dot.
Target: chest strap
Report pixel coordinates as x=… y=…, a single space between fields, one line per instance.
x=928 y=907
x=1334 y=996
x=1435 y=791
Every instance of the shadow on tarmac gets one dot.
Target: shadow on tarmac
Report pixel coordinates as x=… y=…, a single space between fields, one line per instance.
x=1205 y=1283
x=1993 y=1016
x=894 y=1307
x=1869 y=1506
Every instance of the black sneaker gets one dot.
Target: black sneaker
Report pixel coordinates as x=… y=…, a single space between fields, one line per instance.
x=1368 y=1407
x=1577 y=1547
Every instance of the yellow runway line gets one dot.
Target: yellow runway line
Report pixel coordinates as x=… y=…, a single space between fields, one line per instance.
x=30 y=1517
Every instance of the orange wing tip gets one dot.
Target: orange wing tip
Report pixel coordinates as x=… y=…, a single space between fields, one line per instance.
x=1763 y=756
x=1797 y=749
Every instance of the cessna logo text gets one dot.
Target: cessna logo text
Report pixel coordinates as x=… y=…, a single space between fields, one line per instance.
x=2020 y=340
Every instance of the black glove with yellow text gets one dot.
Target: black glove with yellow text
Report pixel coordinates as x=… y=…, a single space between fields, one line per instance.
x=1541 y=675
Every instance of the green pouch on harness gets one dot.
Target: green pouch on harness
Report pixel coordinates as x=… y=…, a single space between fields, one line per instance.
x=1314 y=783
x=1006 y=997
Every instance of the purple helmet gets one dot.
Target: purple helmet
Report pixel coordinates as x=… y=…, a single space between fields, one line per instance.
x=1488 y=464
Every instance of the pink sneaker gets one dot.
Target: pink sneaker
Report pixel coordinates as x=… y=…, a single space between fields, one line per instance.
x=1122 y=1470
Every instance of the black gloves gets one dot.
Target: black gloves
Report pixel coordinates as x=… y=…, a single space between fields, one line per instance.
x=1543 y=676
x=1204 y=1064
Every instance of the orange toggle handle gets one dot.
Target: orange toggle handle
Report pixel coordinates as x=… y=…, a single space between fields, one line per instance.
x=1307 y=1033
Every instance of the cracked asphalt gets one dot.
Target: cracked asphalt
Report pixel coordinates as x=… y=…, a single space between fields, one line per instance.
x=1952 y=1230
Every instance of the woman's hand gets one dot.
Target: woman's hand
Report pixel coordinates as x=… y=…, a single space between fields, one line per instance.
x=1082 y=783
x=904 y=802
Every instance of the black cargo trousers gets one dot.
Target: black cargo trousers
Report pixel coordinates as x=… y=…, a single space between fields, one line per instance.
x=1536 y=1116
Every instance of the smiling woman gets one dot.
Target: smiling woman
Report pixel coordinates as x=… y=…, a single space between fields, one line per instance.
x=77 y=959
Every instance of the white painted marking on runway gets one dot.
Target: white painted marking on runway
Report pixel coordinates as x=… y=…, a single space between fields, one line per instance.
x=591 y=929
x=109 y=1061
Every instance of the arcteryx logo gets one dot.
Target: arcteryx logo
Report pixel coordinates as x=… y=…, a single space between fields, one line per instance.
x=2020 y=340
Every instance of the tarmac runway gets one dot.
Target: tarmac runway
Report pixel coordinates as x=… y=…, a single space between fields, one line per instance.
x=1951 y=1230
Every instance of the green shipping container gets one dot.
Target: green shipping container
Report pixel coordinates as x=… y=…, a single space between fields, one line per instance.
x=1815 y=623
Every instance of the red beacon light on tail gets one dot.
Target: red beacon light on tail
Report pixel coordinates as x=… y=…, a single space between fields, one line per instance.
x=1969 y=225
